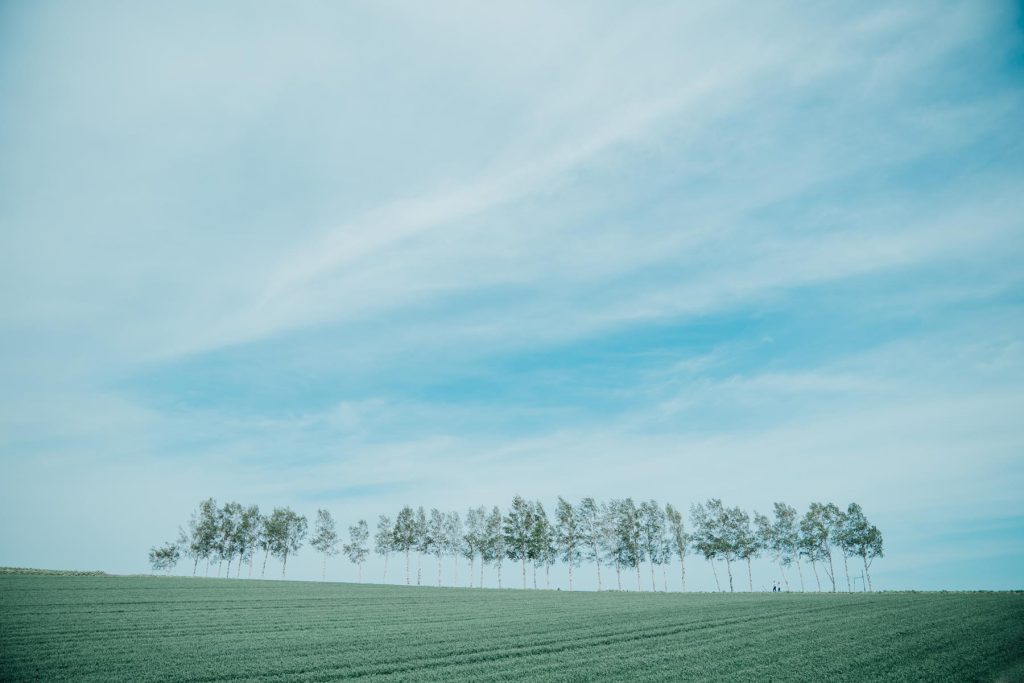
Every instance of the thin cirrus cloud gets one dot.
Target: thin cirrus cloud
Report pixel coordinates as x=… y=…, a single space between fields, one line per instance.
x=371 y=254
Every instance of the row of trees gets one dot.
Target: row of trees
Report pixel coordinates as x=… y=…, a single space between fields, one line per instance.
x=614 y=535
x=237 y=533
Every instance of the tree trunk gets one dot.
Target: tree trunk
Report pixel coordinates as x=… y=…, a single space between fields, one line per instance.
x=867 y=573
x=419 y=567
x=481 y=571
x=195 y=566
x=524 y=572
x=534 y=576
x=846 y=568
x=455 y=582
x=598 y=562
x=654 y=584
x=728 y=568
x=570 y=571
x=499 y=573
x=831 y=572
x=618 y=575
x=750 y=575
x=438 y=571
x=284 y=564
x=800 y=571
x=252 y=558
x=547 y=577
x=266 y=555
x=406 y=567
x=385 y=579
x=715 y=572
x=664 y=577
x=219 y=563
x=472 y=562
x=238 y=572
x=207 y=567
x=638 y=586
x=814 y=566
x=682 y=571
x=782 y=570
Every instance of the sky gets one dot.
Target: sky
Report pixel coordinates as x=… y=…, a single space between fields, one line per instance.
x=356 y=255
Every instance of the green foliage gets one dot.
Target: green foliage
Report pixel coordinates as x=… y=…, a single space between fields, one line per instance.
x=182 y=629
x=165 y=557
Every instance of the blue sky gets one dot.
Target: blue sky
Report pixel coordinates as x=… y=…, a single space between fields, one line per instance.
x=366 y=254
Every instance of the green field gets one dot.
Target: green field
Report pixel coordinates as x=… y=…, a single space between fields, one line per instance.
x=163 y=629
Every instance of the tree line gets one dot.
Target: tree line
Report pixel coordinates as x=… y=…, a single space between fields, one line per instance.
x=617 y=535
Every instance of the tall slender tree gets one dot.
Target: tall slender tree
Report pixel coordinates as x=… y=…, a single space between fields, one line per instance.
x=567 y=536
x=517 y=530
x=652 y=535
x=453 y=541
x=746 y=542
x=494 y=545
x=473 y=540
x=860 y=538
x=228 y=519
x=384 y=541
x=203 y=532
x=422 y=543
x=707 y=538
x=291 y=532
x=590 y=532
x=542 y=544
x=325 y=539
x=248 y=537
x=436 y=537
x=269 y=533
x=679 y=540
x=358 y=546
x=405 y=535
x=816 y=531
x=786 y=539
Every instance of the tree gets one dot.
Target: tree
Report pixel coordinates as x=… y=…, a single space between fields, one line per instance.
x=817 y=528
x=613 y=538
x=248 y=534
x=494 y=543
x=744 y=540
x=203 y=531
x=542 y=544
x=517 y=530
x=781 y=537
x=384 y=541
x=473 y=540
x=859 y=538
x=228 y=519
x=289 y=531
x=164 y=557
x=652 y=535
x=269 y=533
x=567 y=535
x=405 y=535
x=422 y=542
x=707 y=538
x=590 y=533
x=358 y=546
x=453 y=541
x=679 y=541
x=325 y=539
x=435 y=539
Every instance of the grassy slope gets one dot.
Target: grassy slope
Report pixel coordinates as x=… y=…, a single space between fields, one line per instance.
x=143 y=628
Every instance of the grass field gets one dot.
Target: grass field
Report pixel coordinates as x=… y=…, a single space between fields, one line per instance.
x=164 y=629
